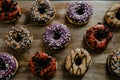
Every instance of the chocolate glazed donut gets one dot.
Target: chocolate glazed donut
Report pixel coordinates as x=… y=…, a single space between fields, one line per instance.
x=43 y=65
x=9 y=11
x=98 y=37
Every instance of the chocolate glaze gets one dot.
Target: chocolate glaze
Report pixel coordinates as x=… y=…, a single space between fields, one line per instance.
x=6 y=6
x=9 y=7
x=118 y=14
x=43 y=65
x=98 y=37
x=101 y=34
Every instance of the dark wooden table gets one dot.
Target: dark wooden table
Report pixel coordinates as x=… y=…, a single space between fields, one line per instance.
x=97 y=70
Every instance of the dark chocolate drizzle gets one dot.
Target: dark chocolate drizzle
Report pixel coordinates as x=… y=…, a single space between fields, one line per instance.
x=40 y=63
x=77 y=56
x=101 y=34
x=118 y=14
x=6 y=6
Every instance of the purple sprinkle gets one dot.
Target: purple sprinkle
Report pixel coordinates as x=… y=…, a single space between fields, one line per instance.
x=56 y=36
x=79 y=12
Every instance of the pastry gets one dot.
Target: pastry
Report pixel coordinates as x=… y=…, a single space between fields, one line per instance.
x=56 y=36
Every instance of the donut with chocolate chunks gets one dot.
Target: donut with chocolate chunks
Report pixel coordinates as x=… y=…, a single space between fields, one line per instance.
x=98 y=36
x=9 y=11
x=43 y=65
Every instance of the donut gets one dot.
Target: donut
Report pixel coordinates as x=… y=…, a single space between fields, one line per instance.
x=8 y=66
x=43 y=65
x=56 y=36
x=42 y=12
x=19 y=38
x=78 y=62
x=113 y=63
x=79 y=12
x=112 y=16
x=98 y=37
x=10 y=11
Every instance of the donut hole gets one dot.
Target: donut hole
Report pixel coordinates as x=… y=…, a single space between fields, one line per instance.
x=101 y=34
x=6 y=6
x=118 y=15
x=80 y=11
x=78 y=61
x=41 y=10
x=2 y=64
x=42 y=63
x=18 y=38
x=56 y=34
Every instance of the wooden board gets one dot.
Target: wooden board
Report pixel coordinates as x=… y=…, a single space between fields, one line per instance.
x=97 y=70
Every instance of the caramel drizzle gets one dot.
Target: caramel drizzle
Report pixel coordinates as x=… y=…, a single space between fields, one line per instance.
x=115 y=22
x=76 y=56
x=111 y=10
x=113 y=17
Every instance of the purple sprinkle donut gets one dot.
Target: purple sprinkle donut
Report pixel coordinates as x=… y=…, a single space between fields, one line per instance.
x=8 y=66
x=79 y=12
x=56 y=36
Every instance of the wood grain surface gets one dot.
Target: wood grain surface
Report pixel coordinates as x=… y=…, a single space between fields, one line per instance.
x=97 y=70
